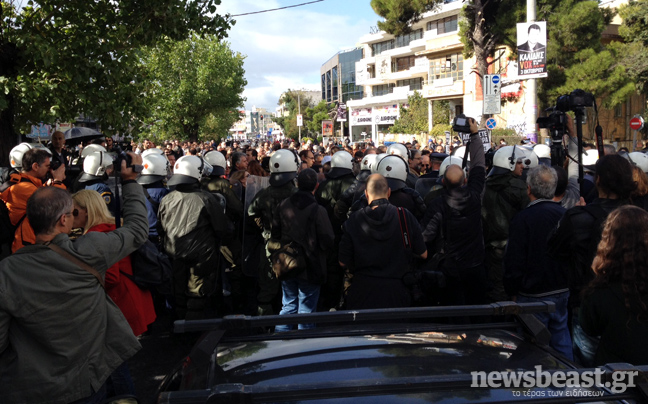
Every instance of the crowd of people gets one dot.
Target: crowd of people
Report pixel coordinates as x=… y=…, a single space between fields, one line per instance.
x=380 y=226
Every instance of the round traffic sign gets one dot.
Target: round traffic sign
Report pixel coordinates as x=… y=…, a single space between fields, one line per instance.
x=496 y=79
x=636 y=123
x=491 y=123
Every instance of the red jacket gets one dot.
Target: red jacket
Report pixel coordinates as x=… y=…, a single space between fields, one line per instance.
x=136 y=304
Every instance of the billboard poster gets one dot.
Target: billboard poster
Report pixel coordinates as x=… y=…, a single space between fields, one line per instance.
x=386 y=115
x=342 y=113
x=383 y=66
x=327 y=128
x=532 y=49
x=361 y=116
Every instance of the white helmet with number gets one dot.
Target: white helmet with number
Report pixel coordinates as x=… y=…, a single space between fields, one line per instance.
x=395 y=169
x=188 y=170
x=368 y=162
x=544 y=154
x=448 y=161
x=16 y=154
x=505 y=159
x=342 y=159
x=156 y=168
x=218 y=161
x=398 y=149
x=530 y=159
x=95 y=166
x=91 y=148
x=640 y=160
x=153 y=150
x=283 y=167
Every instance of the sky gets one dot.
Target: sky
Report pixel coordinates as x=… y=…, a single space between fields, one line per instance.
x=286 y=48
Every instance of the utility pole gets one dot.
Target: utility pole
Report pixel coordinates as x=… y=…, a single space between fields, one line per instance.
x=531 y=85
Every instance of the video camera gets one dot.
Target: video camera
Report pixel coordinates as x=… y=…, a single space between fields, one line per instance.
x=461 y=123
x=576 y=100
x=120 y=156
x=555 y=122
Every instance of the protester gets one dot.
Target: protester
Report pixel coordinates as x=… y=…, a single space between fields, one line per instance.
x=300 y=219
x=615 y=303
x=61 y=335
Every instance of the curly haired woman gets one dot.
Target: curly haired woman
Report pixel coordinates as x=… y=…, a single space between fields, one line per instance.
x=615 y=304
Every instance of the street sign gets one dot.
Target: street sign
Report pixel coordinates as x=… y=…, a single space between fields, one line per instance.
x=636 y=123
x=300 y=120
x=492 y=94
x=491 y=123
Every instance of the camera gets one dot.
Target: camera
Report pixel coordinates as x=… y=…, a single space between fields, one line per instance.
x=120 y=156
x=555 y=122
x=461 y=123
x=55 y=164
x=577 y=99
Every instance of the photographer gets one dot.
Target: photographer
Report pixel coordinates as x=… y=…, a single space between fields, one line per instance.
x=454 y=221
x=35 y=169
x=59 y=330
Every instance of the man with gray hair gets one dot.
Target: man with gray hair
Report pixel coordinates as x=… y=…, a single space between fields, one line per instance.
x=61 y=336
x=530 y=275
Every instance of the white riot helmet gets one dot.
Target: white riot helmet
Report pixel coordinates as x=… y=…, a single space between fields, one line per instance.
x=188 y=170
x=156 y=168
x=218 y=161
x=530 y=159
x=449 y=161
x=374 y=167
x=95 y=166
x=460 y=152
x=342 y=159
x=91 y=148
x=590 y=157
x=544 y=154
x=398 y=149
x=154 y=150
x=395 y=170
x=16 y=154
x=640 y=160
x=368 y=161
x=505 y=159
x=283 y=167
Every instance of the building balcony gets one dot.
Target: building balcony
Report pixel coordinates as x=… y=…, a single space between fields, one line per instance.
x=413 y=72
x=398 y=96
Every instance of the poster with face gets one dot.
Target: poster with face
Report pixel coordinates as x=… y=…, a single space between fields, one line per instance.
x=532 y=49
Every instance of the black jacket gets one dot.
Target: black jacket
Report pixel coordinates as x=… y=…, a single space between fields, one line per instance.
x=299 y=218
x=575 y=239
x=505 y=195
x=528 y=269
x=457 y=216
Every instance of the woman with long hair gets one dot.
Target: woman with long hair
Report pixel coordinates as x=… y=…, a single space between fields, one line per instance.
x=91 y=213
x=615 y=303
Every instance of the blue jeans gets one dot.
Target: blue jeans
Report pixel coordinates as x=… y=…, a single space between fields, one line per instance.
x=120 y=381
x=584 y=345
x=299 y=296
x=556 y=322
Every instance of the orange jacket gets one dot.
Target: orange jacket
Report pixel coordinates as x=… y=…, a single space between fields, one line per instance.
x=16 y=196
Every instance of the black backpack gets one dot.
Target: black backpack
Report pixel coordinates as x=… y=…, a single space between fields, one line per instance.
x=152 y=269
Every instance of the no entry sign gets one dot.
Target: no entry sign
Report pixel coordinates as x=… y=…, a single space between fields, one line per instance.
x=636 y=123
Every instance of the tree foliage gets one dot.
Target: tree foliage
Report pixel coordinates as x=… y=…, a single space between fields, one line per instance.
x=399 y=15
x=62 y=58
x=635 y=51
x=315 y=115
x=195 y=88
x=413 y=117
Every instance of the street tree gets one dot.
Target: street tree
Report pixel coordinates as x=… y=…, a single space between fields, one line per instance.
x=292 y=100
x=413 y=116
x=315 y=115
x=634 y=31
x=62 y=58
x=194 y=87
